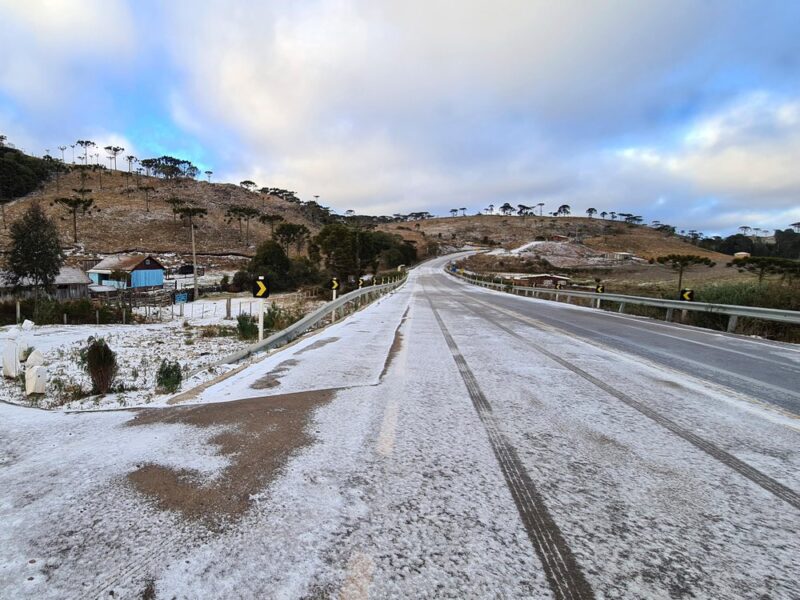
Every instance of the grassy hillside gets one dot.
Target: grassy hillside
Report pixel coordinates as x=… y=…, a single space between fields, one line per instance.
x=512 y=231
x=123 y=223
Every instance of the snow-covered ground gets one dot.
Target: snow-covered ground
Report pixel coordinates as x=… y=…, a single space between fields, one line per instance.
x=140 y=349
x=398 y=492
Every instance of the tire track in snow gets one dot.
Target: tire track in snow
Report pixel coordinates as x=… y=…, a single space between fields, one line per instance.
x=766 y=482
x=563 y=574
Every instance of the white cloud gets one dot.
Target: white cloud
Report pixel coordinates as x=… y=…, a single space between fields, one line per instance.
x=45 y=42
x=746 y=153
x=384 y=106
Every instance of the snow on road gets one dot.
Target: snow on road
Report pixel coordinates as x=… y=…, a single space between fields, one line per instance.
x=399 y=492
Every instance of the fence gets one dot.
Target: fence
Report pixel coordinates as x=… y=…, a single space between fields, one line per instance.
x=731 y=311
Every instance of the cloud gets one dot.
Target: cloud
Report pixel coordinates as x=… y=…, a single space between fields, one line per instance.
x=53 y=49
x=745 y=153
x=669 y=108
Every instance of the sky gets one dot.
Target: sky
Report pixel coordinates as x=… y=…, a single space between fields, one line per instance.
x=685 y=112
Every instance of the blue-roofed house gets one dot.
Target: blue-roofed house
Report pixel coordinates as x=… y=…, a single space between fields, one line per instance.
x=128 y=271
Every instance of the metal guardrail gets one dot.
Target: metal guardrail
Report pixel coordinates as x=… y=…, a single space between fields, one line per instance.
x=311 y=320
x=732 y=311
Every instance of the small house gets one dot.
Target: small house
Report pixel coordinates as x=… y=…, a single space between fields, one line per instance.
x=71 y=283
x=136 y=271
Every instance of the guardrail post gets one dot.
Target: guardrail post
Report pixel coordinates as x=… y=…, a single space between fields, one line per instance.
x=669 y=314
x=621 y=307
x=732 y=321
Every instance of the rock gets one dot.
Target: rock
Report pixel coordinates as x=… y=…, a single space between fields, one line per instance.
x=35 y=359
x=35 y=380
x=11 y=367
x=27 y=325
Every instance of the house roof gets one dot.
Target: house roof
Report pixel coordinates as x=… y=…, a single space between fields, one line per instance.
x=72 y=276
x=67 y=276
x=530 y=276
x=122 y=262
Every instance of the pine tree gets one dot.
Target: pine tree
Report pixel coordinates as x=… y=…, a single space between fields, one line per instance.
x=35 y=254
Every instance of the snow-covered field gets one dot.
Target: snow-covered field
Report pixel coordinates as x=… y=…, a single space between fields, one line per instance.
x=140 y=349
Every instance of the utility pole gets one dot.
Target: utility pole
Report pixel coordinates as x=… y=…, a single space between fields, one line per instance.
x=194 y=266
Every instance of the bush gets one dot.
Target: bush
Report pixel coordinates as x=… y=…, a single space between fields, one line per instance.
x=100 y=362
x=247 y=327
x=212 y=331
x=241 y=281
x=51 y=312
x=277 y=318
x=169 y=377
x=224 y=283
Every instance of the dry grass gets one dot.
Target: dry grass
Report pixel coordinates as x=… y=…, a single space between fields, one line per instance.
x=513 y=231
x=123 y=224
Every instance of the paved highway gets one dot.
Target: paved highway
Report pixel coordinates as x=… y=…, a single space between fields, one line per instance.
x=768 y=371
x=447 y=441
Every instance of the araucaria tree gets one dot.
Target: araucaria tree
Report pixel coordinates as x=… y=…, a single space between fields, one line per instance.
x=767 y=265
x=113 y=152
x=75 y=205
x=85 y=144
x=242 y=213
x=147 y=189
x=271 y=219
x=291 y=233
x=175 y=203
x=190 y=213
x=80 y=203
x=682 y=263
x=35 y=252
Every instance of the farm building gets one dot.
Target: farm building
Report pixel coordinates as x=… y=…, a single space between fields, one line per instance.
x=71 y=283
x=533 y=280
x=541 y=280
x=128 y=271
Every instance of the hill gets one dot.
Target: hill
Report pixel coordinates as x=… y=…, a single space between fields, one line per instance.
x=123 y=222
x=512 y=231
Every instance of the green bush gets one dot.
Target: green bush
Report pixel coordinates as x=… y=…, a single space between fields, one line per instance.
x=766 y=295
x=241 y=281
x=277 y=318
x=100 y=362
x=169 y=377
x=247 y=327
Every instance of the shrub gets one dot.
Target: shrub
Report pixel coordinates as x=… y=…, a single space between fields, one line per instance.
x=241 y=281
x=169 y=376
x=100 y=362
x=212 y=331
x=224 y=283
x=247 y=327
x=277 y=318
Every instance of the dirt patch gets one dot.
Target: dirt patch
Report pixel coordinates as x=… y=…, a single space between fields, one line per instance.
x=397 y=343
x=272 y=379
x=261 y=434
x=316 y=345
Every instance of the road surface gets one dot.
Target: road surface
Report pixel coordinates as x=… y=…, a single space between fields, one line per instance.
x=447 y=441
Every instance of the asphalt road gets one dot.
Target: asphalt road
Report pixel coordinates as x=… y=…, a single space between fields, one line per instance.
x=761 y=369
x=445 y=442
